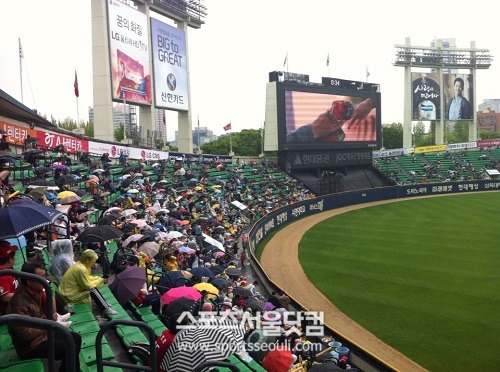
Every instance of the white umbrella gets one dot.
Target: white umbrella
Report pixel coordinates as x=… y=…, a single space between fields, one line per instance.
x=109 y=210
x=93 y=177
x=163 y=210
x=214 y=242
x=128 y=212
x=133 y=191
x=174 y=234
x=132 y=238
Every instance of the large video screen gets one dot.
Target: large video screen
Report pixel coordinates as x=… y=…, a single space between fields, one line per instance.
x=326 y=117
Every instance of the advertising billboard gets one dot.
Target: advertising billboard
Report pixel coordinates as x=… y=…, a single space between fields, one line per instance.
x=170 y=66
x=459 y=96
x=326 y=117
x=425 y=96
x=129 y=54
x=457 y=91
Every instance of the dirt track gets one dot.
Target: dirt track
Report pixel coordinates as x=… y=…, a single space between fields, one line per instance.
x=280 y=259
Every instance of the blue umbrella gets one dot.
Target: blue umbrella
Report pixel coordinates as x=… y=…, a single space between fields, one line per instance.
x=22 y=215
x=202 y=271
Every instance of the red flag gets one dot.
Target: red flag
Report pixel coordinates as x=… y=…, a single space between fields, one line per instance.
x=227 y=127
x=77 y=92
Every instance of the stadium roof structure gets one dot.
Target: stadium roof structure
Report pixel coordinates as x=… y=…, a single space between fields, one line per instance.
x=13 y=109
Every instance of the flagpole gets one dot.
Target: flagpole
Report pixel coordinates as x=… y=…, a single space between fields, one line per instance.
x=21 y=68
x=199 y=145
x=230 y=139
x=77 y=114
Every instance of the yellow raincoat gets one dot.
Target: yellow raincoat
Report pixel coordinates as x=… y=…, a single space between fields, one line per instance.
x=77 y=282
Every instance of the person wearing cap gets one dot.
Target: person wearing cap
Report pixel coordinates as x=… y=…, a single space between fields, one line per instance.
x=78 y=285
x=30 y=300
x=8 y=283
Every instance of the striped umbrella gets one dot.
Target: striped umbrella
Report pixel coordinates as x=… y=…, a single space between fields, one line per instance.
x=202 y=342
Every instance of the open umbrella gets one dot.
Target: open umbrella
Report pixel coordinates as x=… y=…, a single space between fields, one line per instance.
x=126 y=182
x=178 y=292
x=128 y=212
x=150 y=248
x=133 y=191
x=22 y=215
x=202 y=271
x=278 y=360
x=214 y=242
x=127 y=284
x=171 y=279
x=109 y=218
x=174 y=235
x=42 y=182
x=179 y=306
x=112 y=209
x=217 y=269
x=132 y=238
x=100 y=233
x=67 y=178
x=221 y=283
x=254 y=303
x=4 y=174
x=140 y=223
x=233 y=271
x=210 y=289
x=68 y=197
x=243 y=292
x=187 y=250
x=162 y=211
x=209 y=332
x=59 y=166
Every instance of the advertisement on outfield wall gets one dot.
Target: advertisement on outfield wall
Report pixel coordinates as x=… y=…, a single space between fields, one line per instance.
x=170 y=66
x=425 y=96
x=129 y=51
x=459 y=96
x=114 y=151
x=15 y=133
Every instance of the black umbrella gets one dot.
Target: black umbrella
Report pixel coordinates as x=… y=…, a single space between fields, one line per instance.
x=99 y=234
x=42 y=182
x=217 y=269
x=202 y=271
x=254 y=303
x=67 y=178
x=127 y=284
x=126 y=182
x=22 y=215
x=179 y=306
x=243 y=292
x=109 y=218
x=221 y=284
x=233 y=271
x=171 y=279
x=43 y=169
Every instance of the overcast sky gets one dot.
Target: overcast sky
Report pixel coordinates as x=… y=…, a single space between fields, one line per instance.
x=232 y=54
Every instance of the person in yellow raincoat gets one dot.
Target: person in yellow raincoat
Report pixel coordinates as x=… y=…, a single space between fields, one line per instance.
x=78 y=285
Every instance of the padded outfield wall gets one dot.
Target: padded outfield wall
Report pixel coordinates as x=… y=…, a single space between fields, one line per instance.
x=277 y=219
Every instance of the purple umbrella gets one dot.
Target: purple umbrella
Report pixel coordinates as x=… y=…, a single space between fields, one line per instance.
x=268 y=306
x=127 y=284
x=59 y=166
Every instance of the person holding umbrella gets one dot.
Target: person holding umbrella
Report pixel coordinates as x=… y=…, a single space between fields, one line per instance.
x=8 y=283
x=79 y=286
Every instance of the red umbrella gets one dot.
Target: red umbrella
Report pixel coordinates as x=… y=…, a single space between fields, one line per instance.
x=278 y=360
x=178 y=292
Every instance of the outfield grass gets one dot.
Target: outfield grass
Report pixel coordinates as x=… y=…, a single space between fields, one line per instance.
x=423 y=275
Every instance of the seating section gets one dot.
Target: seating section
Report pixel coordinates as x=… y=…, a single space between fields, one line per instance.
x=434 y=167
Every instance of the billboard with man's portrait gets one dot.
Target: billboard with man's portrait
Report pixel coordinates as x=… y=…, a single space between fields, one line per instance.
x=459 y=96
